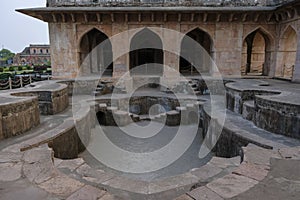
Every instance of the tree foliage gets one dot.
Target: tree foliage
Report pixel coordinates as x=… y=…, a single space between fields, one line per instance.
x=6 y=54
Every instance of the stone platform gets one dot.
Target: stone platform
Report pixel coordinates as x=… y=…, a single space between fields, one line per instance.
x=29 y=169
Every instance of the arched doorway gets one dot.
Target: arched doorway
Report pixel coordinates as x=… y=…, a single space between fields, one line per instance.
x=288 y=51
x=146 y=50
x=256 y=54
x=190 y=53
x=96 y=53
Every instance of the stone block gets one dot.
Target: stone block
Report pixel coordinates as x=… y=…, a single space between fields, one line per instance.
x=231 y=185
x=173 y=118
x=121 y=118
x=87 y=193
x=206 y=172
x=94 y=175
x=71 y=164
x=203 y=193
x=10 y=171
x=61 y=185
x=256 y=172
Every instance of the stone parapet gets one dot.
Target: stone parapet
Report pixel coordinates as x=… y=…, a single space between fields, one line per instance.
x=128 y=3
x=18 y=116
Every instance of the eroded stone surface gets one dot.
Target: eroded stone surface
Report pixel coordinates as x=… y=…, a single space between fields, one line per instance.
x=183 y=180
x=10 y=171
x=292 y=153
x=231 y=185
x=225 y=162
x=206 y=172
x=87 y=193
x=93 y=175
x=109 y=197
x=10 y=157
x=61 y=185
x=183 y=197
x=71 y=164
x=256 y=172
x=22 y=189
x=126 y=184
x=258 y=155
x=38 y=166
x=203 y=193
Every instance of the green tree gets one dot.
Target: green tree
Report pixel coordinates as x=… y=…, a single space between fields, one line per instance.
x=6 y=54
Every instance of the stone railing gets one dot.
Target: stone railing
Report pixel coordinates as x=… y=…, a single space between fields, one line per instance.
x=59 y=3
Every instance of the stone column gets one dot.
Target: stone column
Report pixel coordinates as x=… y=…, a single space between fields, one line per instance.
x=1 y=132
x=296 y=74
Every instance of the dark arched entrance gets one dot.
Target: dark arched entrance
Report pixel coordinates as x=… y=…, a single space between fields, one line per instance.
x=191 y=54
x=146 y=50
x=256 y=54
x=96 y=53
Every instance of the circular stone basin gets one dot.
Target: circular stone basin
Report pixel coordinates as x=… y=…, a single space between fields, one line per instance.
x=165 y=121
x=189 y=160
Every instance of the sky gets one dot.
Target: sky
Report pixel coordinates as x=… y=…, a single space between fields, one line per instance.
x=18 y=30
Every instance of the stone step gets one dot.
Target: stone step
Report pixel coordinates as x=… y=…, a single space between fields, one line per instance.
x=112 y=108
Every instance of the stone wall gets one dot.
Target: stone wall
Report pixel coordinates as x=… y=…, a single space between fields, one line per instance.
x=288 y=55
x=271 y=115
x=276 y=117
x=227 y=44
x=51 y=100
x=70 y=20
x=165 y=2
x=18 y=117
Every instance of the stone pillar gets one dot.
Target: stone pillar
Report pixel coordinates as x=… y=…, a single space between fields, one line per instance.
x=1 y=132
x=120 y=66
x=296 y=74
x=64 y=50
x=228 y=43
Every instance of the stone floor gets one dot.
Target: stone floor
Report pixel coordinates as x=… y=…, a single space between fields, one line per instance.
x=265 y=174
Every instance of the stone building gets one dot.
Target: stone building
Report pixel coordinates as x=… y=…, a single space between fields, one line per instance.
x=35 y=54
x=252 y=37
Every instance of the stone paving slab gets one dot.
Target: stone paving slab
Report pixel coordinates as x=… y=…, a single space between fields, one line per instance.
x=225 y=162
x=10 y=157
x=61 y=185
x=290 y=153
x=87 y=193
x=282 y=182
x=71 y=164
x=38 y=165
x=184 y=197
x=231 y=185
x=206 y=172
x=110 y=197
x=22 y=190
x=10 y=171
x=258 y=155
x=256 y=172
x=203 y=193
x=92 y=175
x=183 y=180
x=127 y=185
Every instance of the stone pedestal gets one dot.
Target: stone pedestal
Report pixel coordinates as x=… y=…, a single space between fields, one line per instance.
x=173 y=118
x=121 y=118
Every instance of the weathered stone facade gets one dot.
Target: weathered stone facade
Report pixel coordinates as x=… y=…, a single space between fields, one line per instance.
x=268 y=29
x=18 y=116
x=33 y=55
